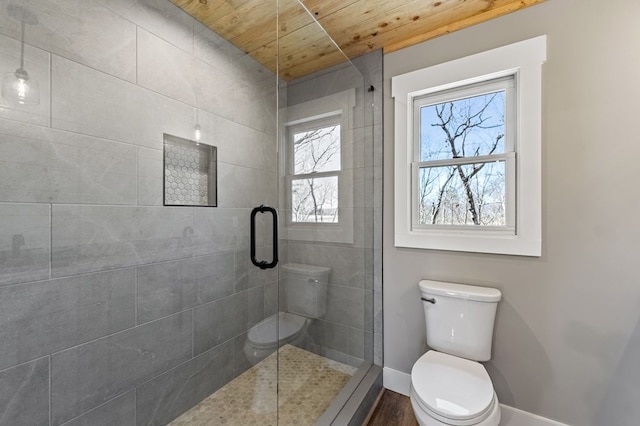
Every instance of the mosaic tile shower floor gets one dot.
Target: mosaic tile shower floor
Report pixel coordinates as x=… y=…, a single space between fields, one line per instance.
x=308 y=384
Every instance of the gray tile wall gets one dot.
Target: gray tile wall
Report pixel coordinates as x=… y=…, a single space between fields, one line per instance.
x=113 y=308
x=351 y=329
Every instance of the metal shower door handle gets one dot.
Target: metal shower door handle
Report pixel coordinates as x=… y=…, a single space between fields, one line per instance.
x=263 y=264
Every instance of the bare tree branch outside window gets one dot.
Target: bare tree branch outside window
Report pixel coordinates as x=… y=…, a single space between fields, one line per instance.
x=462 y=193
x=316 y=164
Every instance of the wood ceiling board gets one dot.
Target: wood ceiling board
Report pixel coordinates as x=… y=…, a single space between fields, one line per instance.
x=402 y=18
x=321 y=8
x=357 y=26
x=406 y=38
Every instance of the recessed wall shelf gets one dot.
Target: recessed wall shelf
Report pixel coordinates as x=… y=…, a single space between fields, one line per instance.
x=190 y=173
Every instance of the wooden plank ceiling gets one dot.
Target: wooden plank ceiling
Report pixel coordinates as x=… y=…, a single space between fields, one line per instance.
x=356 y=26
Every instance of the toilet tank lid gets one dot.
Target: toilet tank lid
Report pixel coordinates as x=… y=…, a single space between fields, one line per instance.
x=460 y=291
x=302 y=269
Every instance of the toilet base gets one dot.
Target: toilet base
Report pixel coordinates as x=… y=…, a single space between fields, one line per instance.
x=425 y=419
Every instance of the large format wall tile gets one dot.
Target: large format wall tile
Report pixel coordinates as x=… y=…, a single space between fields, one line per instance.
x=120 y=411
x=150 y=177
x=166 y=288
x=165 y=68
x=82 y=31
x=36 y=63
x=244 y=187
x=24 y=243
x=220 y=229
x=219 y=321
x=166 y=397
x=45 y=317
x=87 y=101
x=345 y=305
x=88 y=375
x=93 y=238
x=24 y=394
x=162 y=18
x=51 y=166
x=235 y=141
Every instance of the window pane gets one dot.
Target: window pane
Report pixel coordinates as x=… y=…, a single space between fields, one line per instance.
x=314 y=200
x=469 y=194
x=466 y=127
x=317 y=150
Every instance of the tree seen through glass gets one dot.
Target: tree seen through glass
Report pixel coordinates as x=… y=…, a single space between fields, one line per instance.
x=316 y=151
x=463 y=193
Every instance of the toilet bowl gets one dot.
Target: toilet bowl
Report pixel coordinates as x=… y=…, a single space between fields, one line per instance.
x=449 y=387
x=448 y=390
x=261 y=339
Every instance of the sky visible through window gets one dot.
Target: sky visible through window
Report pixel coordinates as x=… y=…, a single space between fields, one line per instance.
x=463 y=194
x=315 y=199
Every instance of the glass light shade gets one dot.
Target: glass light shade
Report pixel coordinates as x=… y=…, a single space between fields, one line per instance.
x=16 y=87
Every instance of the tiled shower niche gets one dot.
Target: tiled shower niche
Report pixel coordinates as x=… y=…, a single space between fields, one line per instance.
x=190 y=176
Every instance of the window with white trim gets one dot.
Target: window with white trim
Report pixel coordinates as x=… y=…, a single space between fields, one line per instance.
x=467 y=166
x=317 y=159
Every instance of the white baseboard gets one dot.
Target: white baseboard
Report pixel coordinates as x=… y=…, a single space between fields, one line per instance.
x=514 y=417
x=400 y=382
x=396 y=381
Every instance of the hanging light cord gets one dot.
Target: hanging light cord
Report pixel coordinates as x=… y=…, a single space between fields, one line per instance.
x=22 y=42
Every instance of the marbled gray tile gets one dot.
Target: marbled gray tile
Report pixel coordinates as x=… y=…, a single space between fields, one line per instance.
x=357 y=343
x=36 y=63
x=215 y=276
x=51 y=166
x=49 y=316
x=94 y=238
x=239 y=144
x=220 y=229
x=150 y=177
x=166 y=69
x=24 y=243
x=250 y=276
x=171 y=394
x=87 y=101
x=24 y=394
x=215 y=50
x=329 y=338
x=164 y=19
x=82 y=31
x=166 y=288
x=219 y=321
x=245 y=187
x=120 y=411
x=86 y=376
x=256 y=105
x=240 y=361
x=346 y=305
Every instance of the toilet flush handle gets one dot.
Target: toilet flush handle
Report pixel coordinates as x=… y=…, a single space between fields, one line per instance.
x=432 y=300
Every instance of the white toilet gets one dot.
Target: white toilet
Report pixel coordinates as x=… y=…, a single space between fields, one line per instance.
x=306 y=298
x=448 y=385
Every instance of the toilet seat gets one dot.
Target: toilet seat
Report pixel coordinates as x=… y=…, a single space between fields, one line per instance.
x=453 y=390
x=289 y=326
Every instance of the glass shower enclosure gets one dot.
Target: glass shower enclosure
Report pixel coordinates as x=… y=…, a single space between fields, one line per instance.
x=189 y=214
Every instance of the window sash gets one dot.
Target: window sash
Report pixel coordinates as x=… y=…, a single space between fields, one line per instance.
x=510 y=193
x=505 y=83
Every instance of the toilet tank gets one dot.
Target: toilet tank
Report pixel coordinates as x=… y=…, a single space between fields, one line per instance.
x=460 y=321
x=306 y=289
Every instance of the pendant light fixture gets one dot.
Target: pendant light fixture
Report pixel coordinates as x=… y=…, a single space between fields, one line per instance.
x=17 y=86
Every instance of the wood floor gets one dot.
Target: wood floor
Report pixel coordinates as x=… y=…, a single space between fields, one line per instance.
x=392 y=409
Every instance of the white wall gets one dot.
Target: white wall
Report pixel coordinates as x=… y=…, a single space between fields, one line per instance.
x=567 y=332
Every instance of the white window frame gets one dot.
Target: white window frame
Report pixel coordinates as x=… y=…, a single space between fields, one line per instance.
x=341 y=107
x=524 y=61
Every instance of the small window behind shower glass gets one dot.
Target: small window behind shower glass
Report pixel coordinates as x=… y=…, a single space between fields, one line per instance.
x=190 y=173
